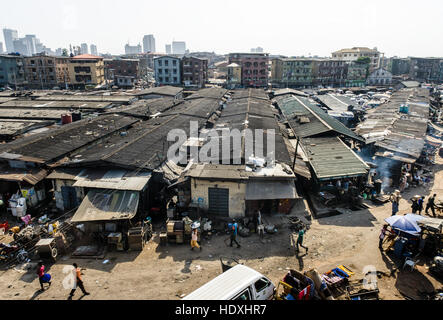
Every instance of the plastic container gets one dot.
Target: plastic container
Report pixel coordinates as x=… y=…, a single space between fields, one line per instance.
x=66 y=118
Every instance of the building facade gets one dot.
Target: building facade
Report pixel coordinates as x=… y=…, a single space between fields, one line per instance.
x=195 y=72
x=353 y=54
x=148 y=43
x=12 y=71
x=292 y=72
x=167 y=70
x=94 y=51
x=233 y=79
x=356 y=74
x=380 y=77
x=329 y=72
x=9 y=36
x=125 y=71
x=426 y=69
x=255 y=68
x=178 y=47
x=40 y=72
x=62 y=72
x=400 y=66
x=133 y=49
x=86 y=70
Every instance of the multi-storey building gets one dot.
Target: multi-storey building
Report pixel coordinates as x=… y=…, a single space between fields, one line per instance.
x=195 y=72
x=233 y=78
x=133 y=49
x=94 y=50
x=167 y=70
x=125 y=72
x=148 y=43
x=356 y=74
x=40 y=72
x=329 y=72
x=62 y=72
x=12 y=72
x=10 y=35
x=178 y=47
x=399 y=66
x=292 y=72
x=426 y=69
x=353 y=54
x=255 y=68
x=86 y=70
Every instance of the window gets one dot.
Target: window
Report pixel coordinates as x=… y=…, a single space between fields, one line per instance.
x=167 y=79
x=174 y=63
x=166 y=63
x=175 y=79
x=160 y=70
x=174 y=71
x=160 y=79
x=245 y=295
x=159 y=62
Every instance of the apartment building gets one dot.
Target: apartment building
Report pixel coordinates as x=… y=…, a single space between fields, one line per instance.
x=380 y=77
x=292 y=72
x=233 y=78
x=426 y=69
x=195 y=72
x=167 y=70
x=40 y=72
x=86 y=70
x=12 y=72
x=356 y=74
x=353 y=54
x=329 y=72
x=125 y=72
x=255 y=68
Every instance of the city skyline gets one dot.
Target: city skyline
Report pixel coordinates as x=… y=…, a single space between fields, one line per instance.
x=291 y=32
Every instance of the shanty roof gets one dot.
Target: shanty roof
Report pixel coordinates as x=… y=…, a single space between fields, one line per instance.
x=55 y=144
x=330 y=158
x=33 y=104
x=213 y=171
x=87 y=98
x=162 y=91
x=107 y=205
x=32 y=114
x=250 y=93
x=335 y=102
x=12 y=128
x=103 y=178
x=282 y=92
x=214 y=93
x=149 y=107
x=308 y=120
x=410 y=84
x=87 y=57
x=31 y=176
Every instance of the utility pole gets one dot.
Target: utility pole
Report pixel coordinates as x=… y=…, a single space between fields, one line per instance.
x=295 y=154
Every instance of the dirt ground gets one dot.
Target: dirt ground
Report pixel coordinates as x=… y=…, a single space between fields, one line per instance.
x=172 y=271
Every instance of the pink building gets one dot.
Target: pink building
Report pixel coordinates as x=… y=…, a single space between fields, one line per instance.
x=255 y=68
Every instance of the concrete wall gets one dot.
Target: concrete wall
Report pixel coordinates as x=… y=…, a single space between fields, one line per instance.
x=237 y=192
x=58 y=184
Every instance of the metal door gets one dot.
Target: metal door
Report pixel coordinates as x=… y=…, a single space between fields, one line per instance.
x=219 y=201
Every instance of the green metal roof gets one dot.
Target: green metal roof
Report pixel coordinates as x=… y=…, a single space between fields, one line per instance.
x=330 y=158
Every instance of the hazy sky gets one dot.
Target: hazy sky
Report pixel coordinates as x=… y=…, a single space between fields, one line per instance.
x=291 y=27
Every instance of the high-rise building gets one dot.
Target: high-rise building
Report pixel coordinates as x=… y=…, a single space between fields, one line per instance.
x=149 y=43
x=168 y=49
x=21 y=46
x=1 y=47
x=178 y=47
x=10 y=35
x=31 y=41
x=59 y=52
x=94 y=51
x=84 y=47
x=257 y=50
x=133 y=49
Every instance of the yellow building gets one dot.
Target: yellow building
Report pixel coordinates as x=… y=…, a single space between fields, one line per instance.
x=234 y=75
x=86 y=71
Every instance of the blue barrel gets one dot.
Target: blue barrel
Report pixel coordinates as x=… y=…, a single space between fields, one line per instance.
x=46 y=277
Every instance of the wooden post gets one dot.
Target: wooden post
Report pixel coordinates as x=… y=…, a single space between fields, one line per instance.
x=295 y=155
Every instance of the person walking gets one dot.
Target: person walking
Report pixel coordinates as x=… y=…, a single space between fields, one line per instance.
x=431 y=205
x=194 y=240
x=42 y=277
x=301 y=235
x=395 y=199
x=234 y=231
x=78 y=282
x=382 y=236
x=414 y=205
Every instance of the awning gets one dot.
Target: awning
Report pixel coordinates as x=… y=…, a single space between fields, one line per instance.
x=112 y=179
x=18 y=175
x=270 y=190
x=105 y=205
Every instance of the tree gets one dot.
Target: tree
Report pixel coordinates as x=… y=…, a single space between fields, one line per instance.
x=363 y=60
x=65 y=52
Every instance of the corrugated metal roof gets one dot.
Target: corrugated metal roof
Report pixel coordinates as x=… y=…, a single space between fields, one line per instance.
x=106 y=205
x=112 y=179
x=330 y=158
x=30 y=176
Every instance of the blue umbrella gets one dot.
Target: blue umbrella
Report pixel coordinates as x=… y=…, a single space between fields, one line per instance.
x=403 y=223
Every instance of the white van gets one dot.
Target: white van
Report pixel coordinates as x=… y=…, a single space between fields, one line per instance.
x=238 y=283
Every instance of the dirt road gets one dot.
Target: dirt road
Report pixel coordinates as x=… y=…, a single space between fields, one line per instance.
x=173 y=271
